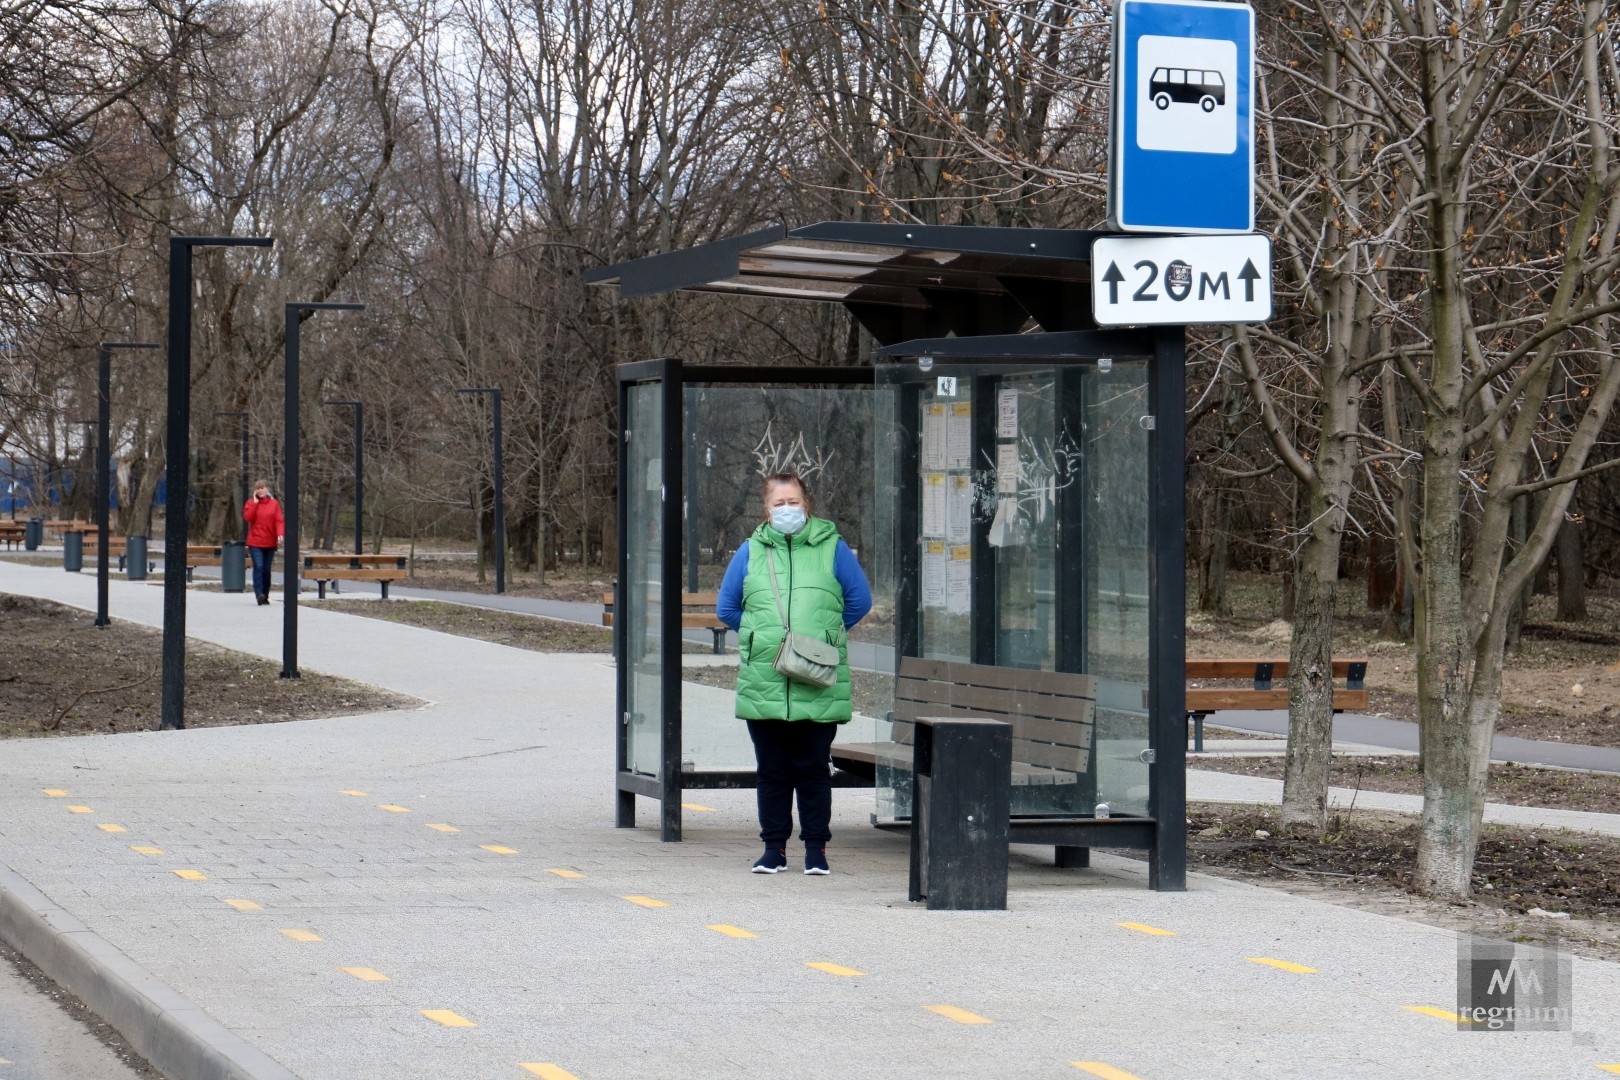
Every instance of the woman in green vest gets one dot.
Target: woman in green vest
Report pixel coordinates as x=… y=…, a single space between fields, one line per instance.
x=795 y=565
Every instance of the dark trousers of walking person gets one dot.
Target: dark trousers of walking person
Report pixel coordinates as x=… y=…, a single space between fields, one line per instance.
x=793 y=756
x=263 y=559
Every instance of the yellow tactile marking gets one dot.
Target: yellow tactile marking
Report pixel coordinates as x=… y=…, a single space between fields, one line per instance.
x=356 y=794
x=1104 y=1070
x=146 y=849
x=56 y=792
x=1615 y=1068
x=1281 y=965
x=191 y=875
x=732 y=931
x=645 y=901
x=447 y=1018
x=499 y=849
x=442 y=827
x=961 y=1016
x=392 y=809
x=1442 y=1014
x=566 y=873
x=697 y=807
x=365 y=974
x=547 y=1071
x=301 y=935
x=244 y=905
x=1144 y=928
x=107 y=826
x=833 y=969
x=80 y=810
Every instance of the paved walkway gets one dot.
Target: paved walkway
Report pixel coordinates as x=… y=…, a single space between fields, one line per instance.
x=439 y=893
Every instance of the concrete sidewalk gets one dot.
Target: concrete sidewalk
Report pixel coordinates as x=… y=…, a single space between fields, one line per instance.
x=440 y=893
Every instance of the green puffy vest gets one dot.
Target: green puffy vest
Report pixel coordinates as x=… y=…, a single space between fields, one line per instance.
x=815 y=603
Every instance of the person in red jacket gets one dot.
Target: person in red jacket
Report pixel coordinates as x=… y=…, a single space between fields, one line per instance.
x=266 y=527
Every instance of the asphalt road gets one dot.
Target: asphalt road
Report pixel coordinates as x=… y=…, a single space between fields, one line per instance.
x=39 y=1040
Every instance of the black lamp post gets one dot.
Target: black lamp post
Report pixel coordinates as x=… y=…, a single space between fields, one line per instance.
x=289 y=574
x=177 y=471
x=240 y=520
x=104 y=463
x=500 y=490
x=359 y=439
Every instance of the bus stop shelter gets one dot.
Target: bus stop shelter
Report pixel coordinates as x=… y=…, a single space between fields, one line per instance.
x=1010 y=476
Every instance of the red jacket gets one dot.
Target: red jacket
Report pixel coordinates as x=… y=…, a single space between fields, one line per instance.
x=265 y=524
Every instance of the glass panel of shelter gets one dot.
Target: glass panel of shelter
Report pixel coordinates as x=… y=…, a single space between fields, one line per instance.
x=640 y=620
x=1019 y=540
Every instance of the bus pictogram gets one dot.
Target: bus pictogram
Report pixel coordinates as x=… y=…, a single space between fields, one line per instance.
x=1188 y=86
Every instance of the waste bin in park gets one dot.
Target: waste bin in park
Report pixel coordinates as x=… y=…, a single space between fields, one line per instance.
x=962 y=770
x=232 y=574
x=135 y=557
x=33 y=533
x=73 y=552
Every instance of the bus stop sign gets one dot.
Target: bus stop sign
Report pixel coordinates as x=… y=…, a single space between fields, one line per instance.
x=1181 y=138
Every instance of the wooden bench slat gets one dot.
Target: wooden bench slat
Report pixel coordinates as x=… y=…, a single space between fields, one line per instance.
x=1058 y=683
x=917 y=695
x=344 y=573
x=1244 y=669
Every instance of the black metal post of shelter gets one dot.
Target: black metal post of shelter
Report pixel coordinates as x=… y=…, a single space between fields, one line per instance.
x=359 y=466
x=177 y=479
x=500 y=485
x=976 y=312
x=104 y=463
x=242 y=498
x=290 y=567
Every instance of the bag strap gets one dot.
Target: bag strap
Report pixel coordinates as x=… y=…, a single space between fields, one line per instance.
x=781 y=609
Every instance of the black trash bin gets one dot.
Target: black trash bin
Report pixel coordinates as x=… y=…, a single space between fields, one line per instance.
x=232 y=573
x=33 y=534
x=962 y=772
x=135 y=557
x=73 y=552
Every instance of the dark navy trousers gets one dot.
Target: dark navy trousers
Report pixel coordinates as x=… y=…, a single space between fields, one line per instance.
x=793 y=756
x=263 y=559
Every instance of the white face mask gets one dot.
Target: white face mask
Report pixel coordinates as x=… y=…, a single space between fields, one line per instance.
x=788 y=520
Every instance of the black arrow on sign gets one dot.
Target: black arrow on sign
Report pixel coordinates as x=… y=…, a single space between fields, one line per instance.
x=1249 y=275
x=1114 y=277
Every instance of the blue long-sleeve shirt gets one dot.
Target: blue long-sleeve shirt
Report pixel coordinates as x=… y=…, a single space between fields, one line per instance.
x=857 y=593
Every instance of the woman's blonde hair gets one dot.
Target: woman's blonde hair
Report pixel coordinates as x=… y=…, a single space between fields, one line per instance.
x=785 y=478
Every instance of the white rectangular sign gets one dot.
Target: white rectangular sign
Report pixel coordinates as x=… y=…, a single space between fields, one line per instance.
x=1185 y=280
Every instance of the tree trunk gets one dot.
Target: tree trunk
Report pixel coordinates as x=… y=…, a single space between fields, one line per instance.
x=1571 y=574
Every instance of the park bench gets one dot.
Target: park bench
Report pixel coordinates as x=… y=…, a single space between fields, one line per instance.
x=206 y=555
x=67 y=525
x=1052 y=714
x=116 y=548
x=13 y=532
x=1262 y=693
x=697 y=613
x=382 y=569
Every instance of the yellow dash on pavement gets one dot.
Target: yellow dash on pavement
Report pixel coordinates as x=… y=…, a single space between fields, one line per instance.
x=1442 y=1014
x=244 y=905
x=442 y=827
x=355 y=794
x=107 y=826
x=833 y=969
x=55 y=792
x=80 y=810
x=1615 y=1068
x=645 y=901
x=698 y=807
x=191 y=875
x=566 y=873
x=546 y=1070
x=146 y=849
x=961 y=1016
x=447 y=1018
x=365 y=974
x=392 y=809
x=1144 y=928
x=1282 y=965
x=499 y=849
x=732 y=931
x=302 y=935
x=1104 y=1070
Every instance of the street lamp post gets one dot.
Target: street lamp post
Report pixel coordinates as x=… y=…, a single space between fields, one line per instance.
x=177 y=468
x=104 y=463
x=500 y=489
x=289 y=574
x=240 y=520
x=359 y=464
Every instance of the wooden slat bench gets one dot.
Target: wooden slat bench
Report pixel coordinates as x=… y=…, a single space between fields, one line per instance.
x=116 y=546
x=67 y=525
x=207 y=555
x=1262 y=693
x=382 y=569
x=13 y=532
x=697 y=613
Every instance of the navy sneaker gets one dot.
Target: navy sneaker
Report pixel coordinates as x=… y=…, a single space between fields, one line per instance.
x=774 y=861
x=815 y=860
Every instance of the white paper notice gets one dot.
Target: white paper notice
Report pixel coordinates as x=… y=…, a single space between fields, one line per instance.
x=1007 y=414
x=959 y=436
x=933 y=437
x=933 y=508
x=959 y=509
x=1008 y=470
x=959 y=581
x=1003 y=530
x=934 y=574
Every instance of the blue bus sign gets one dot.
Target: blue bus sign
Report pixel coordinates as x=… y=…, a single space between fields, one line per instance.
x=1181 y=137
